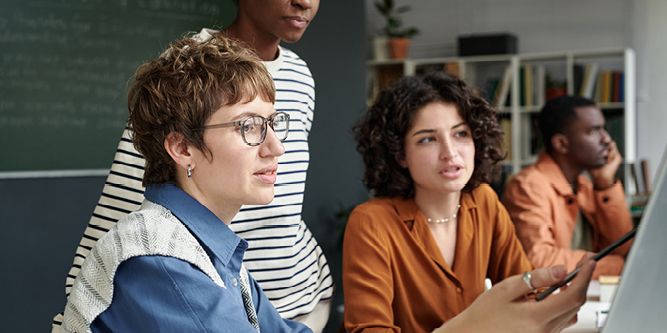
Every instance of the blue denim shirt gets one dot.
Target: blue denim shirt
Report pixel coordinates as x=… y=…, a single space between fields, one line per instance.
x=165 y=294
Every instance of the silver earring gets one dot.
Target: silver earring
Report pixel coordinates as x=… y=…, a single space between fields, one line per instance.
x=189 y=172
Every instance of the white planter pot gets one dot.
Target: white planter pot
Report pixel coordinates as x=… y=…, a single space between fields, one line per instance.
x=380 y=48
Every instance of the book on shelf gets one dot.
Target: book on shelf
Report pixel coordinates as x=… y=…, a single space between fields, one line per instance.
x=585 y=78
x=386 y=75
x=578 y=71
x=589 y=80
x=554 y=88
x=382 y=78
x=540 y=85
x=597 y=94
x=527 y=85
x=609 y=88
x=526 y=138
x=621 y=85
x=634 y=171
x=617 y=86
x=452 y=68
x=521 y=78
x=490 y=89
x=605 y=96
x=503 y=90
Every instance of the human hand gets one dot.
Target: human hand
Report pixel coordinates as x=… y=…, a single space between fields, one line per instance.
x=605 y=175
x=506 y=308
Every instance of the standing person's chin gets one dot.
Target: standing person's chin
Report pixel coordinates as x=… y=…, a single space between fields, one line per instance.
x=292 y=38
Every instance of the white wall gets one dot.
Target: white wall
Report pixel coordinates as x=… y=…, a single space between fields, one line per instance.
x=650 y=41
x=551 y=25
x=540 y=25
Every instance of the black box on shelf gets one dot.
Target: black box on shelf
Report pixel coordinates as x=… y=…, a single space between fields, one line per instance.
x=503 y=43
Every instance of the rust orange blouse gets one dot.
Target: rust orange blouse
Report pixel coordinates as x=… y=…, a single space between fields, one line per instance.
x=394 y=277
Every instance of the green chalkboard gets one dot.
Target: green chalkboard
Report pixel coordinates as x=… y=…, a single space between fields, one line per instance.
x=64 y=70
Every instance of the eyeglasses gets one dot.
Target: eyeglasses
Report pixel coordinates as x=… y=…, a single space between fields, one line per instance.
x=253 y=128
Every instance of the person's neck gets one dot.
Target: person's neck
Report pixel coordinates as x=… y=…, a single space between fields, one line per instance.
x=264 y=44
x=220 y=208
x=570 y=170
x=438 y=205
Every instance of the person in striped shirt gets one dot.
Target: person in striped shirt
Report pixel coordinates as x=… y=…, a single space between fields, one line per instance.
x=283 y=256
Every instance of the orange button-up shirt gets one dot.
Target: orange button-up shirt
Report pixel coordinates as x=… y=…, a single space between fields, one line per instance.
x=544 y=209
x=394 y=276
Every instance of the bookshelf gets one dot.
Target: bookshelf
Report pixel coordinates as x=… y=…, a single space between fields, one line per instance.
x=518 y=85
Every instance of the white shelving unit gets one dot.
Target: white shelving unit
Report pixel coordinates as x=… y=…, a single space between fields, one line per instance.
x=561 y=66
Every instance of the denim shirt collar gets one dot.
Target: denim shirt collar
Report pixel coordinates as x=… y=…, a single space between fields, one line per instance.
x=212 y=232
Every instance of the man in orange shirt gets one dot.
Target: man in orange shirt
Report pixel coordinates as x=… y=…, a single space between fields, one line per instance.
x=559 y=213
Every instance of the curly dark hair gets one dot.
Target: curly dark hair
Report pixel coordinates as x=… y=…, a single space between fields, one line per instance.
x=180 y=90
x=380 y=134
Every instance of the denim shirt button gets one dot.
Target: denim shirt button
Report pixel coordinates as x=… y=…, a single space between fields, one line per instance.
x=235 y=282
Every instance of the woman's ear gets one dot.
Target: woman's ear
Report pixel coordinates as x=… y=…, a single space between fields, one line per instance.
x=179 y=150
x=560 y=143
x=400 y=159
x=402 y=163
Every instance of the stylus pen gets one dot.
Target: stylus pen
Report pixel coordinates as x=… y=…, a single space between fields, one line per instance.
x=596 y=257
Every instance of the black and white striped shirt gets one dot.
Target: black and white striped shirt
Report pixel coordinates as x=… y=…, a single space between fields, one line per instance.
x=283 y=256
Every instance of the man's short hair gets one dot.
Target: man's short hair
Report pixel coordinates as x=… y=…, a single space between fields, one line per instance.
x=557 y=115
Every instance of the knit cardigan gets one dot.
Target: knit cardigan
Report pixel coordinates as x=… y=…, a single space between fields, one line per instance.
x=152 y=230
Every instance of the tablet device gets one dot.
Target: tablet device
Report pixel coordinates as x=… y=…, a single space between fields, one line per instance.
x=640 y=302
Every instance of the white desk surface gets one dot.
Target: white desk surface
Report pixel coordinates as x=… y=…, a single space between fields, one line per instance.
x=587 y=314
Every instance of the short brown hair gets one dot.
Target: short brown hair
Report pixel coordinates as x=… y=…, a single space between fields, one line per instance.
x=179 y=91
x=381 y=133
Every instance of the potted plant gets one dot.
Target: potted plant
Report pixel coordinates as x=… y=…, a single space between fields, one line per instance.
x=399 y=36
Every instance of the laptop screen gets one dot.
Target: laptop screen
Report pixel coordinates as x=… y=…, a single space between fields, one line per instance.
x=640 y=304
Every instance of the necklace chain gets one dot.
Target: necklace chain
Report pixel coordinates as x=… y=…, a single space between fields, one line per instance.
x=446 y=219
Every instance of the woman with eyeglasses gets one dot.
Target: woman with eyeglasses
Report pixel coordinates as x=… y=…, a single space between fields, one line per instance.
x=416 y=256
x=203 y=118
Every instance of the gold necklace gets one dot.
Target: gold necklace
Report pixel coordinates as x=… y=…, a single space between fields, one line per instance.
x=446 y=219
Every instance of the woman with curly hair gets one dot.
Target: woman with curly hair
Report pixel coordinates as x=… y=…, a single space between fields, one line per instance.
x=417 y=254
